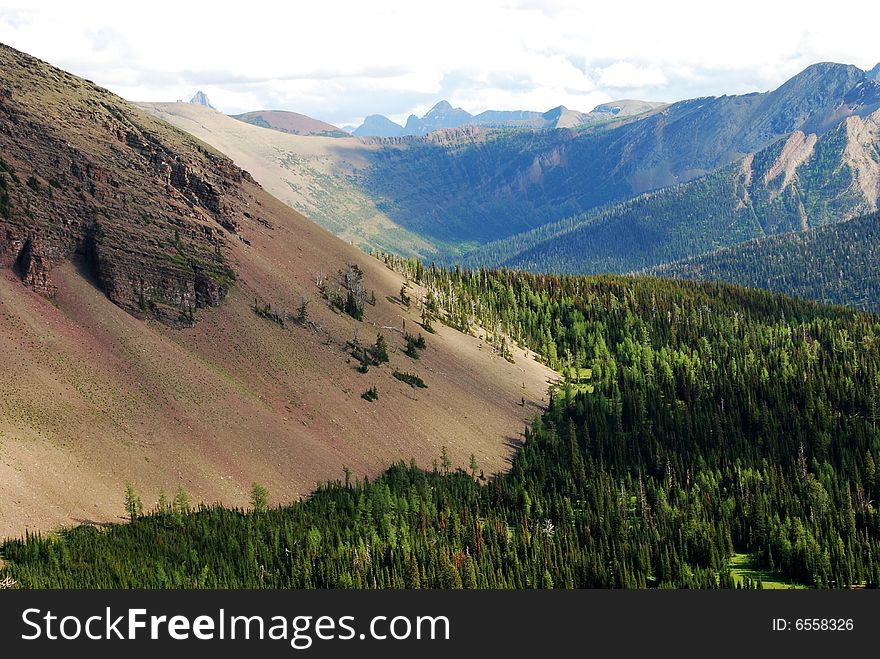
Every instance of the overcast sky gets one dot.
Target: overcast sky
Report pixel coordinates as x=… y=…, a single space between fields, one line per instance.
x=340 y=61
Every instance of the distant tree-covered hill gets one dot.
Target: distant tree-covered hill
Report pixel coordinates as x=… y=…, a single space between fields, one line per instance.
x=839 y=263
x=290 y=122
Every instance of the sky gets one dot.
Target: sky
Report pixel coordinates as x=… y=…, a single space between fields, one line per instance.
x=340 y=60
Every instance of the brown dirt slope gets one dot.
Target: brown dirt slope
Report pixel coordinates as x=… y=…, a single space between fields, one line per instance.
x=290 y=122
x=316 y=175
x=195 y=388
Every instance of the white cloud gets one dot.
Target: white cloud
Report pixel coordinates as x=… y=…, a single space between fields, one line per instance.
x=341 y=60
x=627 y=74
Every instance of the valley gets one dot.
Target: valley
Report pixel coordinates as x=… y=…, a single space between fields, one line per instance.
x=504 y=350
x=656 y=184
x=686 y=465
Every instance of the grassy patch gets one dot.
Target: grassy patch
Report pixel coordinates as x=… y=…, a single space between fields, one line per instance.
x=580 y=374
x=743 y=566
x=579 y=379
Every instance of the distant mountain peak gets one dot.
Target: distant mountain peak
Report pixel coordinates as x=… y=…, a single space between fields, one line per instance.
x=874 y=73
x=825 y=71
x=555 y=113
x=442 y=115
x=445 y=115
x=200 y=98
x=378 y=125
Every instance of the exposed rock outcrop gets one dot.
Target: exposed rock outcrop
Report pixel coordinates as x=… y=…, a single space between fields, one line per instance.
x=146 y=208
x=200 y=98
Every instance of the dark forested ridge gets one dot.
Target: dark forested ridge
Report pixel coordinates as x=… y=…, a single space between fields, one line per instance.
x=839 y=264
x=695 y=422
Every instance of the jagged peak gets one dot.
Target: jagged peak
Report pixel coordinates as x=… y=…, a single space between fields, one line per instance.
x=200 y=98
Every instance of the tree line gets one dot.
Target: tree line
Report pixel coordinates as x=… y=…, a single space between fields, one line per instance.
x=718 y=420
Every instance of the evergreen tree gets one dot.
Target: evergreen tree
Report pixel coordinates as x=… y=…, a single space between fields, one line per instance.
x=259 y=498
x=380 y=349
x=181 y=501
x=302 y=312
x=134 y=507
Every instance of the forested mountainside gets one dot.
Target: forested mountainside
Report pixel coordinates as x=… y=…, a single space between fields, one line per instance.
x=166 y=321
x=798 y=182
x=839 y=264
x=466 y=191
x=698 y=422
x=801 y=155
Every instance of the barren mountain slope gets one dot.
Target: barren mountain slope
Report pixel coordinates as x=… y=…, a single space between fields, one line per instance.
x=186 y=384
x=313 y=174
x=290 y=122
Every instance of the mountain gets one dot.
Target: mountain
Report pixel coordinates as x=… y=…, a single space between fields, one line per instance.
x=797 y=183
x=874 y=73
x=513 y=183
x=199 y=98
x=612 y=194
x=377 y=125
x=562 y=117
x=838 y=263
x=508 y=118
x=150 y=325
x=318 y=176
x=627 y=107
x=559 y=117
x=443 y=115
x=290 y=122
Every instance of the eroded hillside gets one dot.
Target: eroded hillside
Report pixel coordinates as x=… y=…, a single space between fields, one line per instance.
x=135 y=261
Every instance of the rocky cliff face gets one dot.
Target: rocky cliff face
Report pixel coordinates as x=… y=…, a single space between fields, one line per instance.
x=144 y=208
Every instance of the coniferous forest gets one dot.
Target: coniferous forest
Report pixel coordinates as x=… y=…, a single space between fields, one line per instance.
x=693 y=423
x=835 y=263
